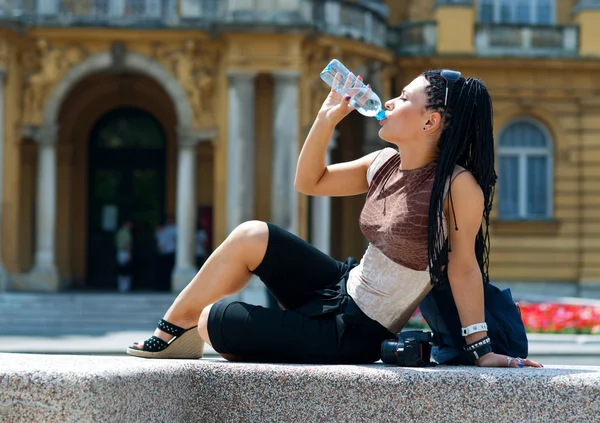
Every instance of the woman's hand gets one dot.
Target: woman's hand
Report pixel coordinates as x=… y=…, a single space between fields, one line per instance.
x=499 y=360
x=336 y=107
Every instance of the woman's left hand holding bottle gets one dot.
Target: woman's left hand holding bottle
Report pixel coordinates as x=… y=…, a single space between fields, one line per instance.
x=337 y=106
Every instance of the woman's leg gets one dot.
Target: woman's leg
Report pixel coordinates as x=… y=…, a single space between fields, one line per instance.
x=305 y=282
x=225 y=272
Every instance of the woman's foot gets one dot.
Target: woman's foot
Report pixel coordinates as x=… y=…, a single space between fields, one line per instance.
x=139 y=345
x=170 y=341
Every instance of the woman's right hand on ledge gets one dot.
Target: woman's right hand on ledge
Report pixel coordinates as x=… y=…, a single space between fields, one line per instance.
x=499 y=360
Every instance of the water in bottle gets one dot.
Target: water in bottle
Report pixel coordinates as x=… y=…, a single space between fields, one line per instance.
x=338 y=77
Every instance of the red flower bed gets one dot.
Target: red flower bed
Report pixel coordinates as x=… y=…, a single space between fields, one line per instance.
x=560 y=318
x=546 y=318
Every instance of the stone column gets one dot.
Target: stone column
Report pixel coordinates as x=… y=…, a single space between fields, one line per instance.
x=185 y=210
x=3 y=274
x=321 y=210
x=44 y=275
x=240 y=166
x=240 y=149
x=286 y=131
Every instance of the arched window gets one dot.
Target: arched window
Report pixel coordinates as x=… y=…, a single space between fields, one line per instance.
x=525 y=176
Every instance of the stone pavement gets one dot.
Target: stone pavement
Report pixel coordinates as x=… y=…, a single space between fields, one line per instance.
x=112 y=343
x=542 y=347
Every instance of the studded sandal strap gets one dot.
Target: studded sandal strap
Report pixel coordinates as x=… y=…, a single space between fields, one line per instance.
x=155 y=344
x=170 y=328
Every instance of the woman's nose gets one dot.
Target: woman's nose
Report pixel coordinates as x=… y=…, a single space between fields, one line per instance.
x=388 y=105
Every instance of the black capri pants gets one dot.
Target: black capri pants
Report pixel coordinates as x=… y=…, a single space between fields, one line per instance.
x=320 y=324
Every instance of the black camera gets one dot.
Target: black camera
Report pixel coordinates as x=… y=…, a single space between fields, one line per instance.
x=408 y=349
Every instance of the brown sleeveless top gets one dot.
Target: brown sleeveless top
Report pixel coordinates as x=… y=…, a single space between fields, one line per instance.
x=395 y=215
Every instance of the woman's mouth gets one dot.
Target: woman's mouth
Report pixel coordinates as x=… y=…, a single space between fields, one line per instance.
x=382 y=122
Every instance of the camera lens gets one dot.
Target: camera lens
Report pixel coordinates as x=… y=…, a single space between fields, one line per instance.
x=388 y=351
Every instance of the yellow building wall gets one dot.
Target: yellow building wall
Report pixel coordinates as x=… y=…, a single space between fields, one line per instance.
x=13 y=240
x=455 y=29
x=589 y=32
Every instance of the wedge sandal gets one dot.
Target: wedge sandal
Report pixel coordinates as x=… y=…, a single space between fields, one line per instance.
x=186 y=343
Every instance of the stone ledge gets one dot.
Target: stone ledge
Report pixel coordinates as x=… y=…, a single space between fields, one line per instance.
x=125 y=389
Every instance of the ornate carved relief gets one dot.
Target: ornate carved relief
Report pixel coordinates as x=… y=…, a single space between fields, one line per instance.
x=272 y=53
x=195 y=68
x=44 y=68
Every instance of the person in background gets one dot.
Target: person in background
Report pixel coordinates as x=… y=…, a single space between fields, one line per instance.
x=166 y=241
x=201 y=245
x=123 y=240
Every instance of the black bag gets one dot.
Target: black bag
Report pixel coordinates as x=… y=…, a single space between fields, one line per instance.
x=502 y=315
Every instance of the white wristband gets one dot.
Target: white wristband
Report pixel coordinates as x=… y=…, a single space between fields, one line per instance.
x=477 y=327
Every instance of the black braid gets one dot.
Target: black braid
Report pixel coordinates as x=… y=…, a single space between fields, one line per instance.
x=466 y=140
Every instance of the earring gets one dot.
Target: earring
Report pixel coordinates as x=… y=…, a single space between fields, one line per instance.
x=424 y=128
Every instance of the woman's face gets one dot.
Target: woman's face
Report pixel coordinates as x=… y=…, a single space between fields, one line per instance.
x=406 y=115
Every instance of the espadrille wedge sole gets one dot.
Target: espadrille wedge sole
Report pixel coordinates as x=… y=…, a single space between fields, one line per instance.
x=186 y=344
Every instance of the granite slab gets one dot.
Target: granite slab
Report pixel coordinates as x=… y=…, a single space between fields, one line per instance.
x=65 y=389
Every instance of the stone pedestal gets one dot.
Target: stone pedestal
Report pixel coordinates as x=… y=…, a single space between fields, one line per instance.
x=44 y=275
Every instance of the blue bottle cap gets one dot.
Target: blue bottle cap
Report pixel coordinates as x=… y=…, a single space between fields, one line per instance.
x=380 y=115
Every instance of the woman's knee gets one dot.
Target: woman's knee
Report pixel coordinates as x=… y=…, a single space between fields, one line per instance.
x=251 y=238
x=203 y=324
x=251 y=231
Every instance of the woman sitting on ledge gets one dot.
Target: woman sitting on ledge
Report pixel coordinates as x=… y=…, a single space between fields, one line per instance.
x=423 y=217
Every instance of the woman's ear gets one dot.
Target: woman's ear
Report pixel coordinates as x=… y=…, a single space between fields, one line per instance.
x=433 y=122
x=435 y=119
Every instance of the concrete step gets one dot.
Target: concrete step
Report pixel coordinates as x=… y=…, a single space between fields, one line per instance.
x=25 y=314
x=91 y=313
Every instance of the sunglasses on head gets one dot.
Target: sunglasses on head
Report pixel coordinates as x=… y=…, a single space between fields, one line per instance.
x=450 y=76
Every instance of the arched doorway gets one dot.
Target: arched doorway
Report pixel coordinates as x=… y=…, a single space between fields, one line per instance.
x=126 y=181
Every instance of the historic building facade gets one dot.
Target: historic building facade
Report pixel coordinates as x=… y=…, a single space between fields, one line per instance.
x=197 y=109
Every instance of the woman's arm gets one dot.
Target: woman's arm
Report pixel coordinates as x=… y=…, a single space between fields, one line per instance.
x=463 y=270
x=313 y=176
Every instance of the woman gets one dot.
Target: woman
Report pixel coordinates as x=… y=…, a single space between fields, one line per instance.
x=435 y=193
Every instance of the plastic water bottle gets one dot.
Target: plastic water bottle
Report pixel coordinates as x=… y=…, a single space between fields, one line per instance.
x=346 y=83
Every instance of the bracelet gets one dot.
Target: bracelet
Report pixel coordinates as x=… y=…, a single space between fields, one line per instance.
x=480 y=352
x=480 y=343
x=479 y=349
x=477 y=327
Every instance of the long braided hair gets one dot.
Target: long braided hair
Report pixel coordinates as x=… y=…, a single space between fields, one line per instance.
x=466 y=140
